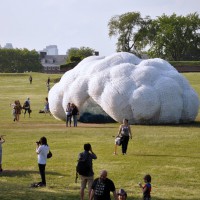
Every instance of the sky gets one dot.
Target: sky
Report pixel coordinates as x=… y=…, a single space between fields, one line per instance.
x=35 y=24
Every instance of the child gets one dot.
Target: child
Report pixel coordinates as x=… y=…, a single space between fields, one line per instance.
x=122 y=195
x=146 y=189
x=13 y=111
x=1 y=142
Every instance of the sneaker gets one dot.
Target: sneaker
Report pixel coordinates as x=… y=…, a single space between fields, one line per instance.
x=41 y=185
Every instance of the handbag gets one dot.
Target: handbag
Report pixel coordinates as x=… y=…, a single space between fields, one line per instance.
x=49 y=155
x=118 y=141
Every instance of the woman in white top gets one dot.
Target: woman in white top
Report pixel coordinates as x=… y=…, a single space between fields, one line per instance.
x=42 y=149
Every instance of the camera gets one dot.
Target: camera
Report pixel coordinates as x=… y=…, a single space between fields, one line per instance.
x=38 y=142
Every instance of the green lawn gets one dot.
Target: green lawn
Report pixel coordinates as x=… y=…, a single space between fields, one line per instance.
x=169 y=153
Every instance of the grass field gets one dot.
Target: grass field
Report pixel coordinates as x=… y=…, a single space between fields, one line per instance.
x=171 y=154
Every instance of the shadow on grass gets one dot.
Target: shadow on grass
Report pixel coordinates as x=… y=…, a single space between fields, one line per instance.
x=11 y=191
x=21 y=173
x=172 y=156
x=193 y=124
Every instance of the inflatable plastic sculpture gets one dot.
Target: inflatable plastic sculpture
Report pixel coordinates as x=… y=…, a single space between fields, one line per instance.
x=144 y=91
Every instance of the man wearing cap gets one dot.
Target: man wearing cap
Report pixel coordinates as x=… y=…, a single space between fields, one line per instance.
x=122 y=195
x=102 y=187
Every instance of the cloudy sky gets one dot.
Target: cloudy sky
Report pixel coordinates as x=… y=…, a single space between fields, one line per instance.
x=34 y=24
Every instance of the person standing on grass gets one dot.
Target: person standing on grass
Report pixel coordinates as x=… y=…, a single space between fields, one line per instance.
x=2 y=140
x=75 y=113
x=13 y=110
x=146 y=189
x=27 y=107
x=88 y=155
x=42 y=150
x=48 y=80
x=102 y=187
x=125 y=134
x=18 y=109
x=68 y=115
x=30 y=79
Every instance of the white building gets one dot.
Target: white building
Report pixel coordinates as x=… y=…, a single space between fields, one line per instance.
x=51 y=50
x=8 y=46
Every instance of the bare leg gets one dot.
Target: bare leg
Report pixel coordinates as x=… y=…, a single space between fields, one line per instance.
x=115 y=150
x=82 y=194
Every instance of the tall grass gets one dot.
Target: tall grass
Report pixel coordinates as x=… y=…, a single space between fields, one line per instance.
x=169 y=153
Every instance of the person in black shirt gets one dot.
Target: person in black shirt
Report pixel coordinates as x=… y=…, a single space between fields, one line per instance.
x=102 y=187
x=75 y=112
x=87 y=155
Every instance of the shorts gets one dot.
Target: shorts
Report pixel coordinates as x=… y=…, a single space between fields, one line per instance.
x=86 y=180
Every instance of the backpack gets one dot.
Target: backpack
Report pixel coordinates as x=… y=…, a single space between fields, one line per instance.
x=83 y=167
x=26 y=104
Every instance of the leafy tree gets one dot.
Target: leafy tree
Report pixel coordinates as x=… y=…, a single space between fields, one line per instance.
x=175 y=37
x=19 y=60
x=78 y=54
x=130 y=29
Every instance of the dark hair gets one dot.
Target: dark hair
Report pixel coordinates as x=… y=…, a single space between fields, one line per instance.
x=147 y=178
x=87 y=147
x=43 y=140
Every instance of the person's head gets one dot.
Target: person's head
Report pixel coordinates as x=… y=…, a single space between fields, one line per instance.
x=46 y=98
x=147 y=178
x=125 y=121
x=122 y=195
x=103 y=174
x=87 y=147
x=73 y=105
x=43 y=141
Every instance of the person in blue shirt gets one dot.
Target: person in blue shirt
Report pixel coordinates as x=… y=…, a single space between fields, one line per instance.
x=146 y=189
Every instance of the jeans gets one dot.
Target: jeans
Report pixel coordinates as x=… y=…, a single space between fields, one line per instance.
x=69 y=120
x=75 y=120
x=42 y=172
x=125 y=144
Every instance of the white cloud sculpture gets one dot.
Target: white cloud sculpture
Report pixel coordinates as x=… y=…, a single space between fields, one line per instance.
x=144 y=91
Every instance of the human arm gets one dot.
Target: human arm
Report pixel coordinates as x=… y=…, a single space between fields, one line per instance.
x=115 y=195
x=119 y=132
x=130 y=133
x=143 y=188
x=2 y=140
x=37 y=148
x=93 y=154
x=91 y=194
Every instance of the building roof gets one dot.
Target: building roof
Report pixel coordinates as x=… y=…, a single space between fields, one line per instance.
x=54 y=60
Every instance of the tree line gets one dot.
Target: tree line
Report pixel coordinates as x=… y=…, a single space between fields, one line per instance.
x=19 y=60
x=172 y=37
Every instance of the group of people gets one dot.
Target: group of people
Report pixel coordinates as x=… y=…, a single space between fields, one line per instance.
x=72 y=113
x=100 y=188
x=17 y=109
